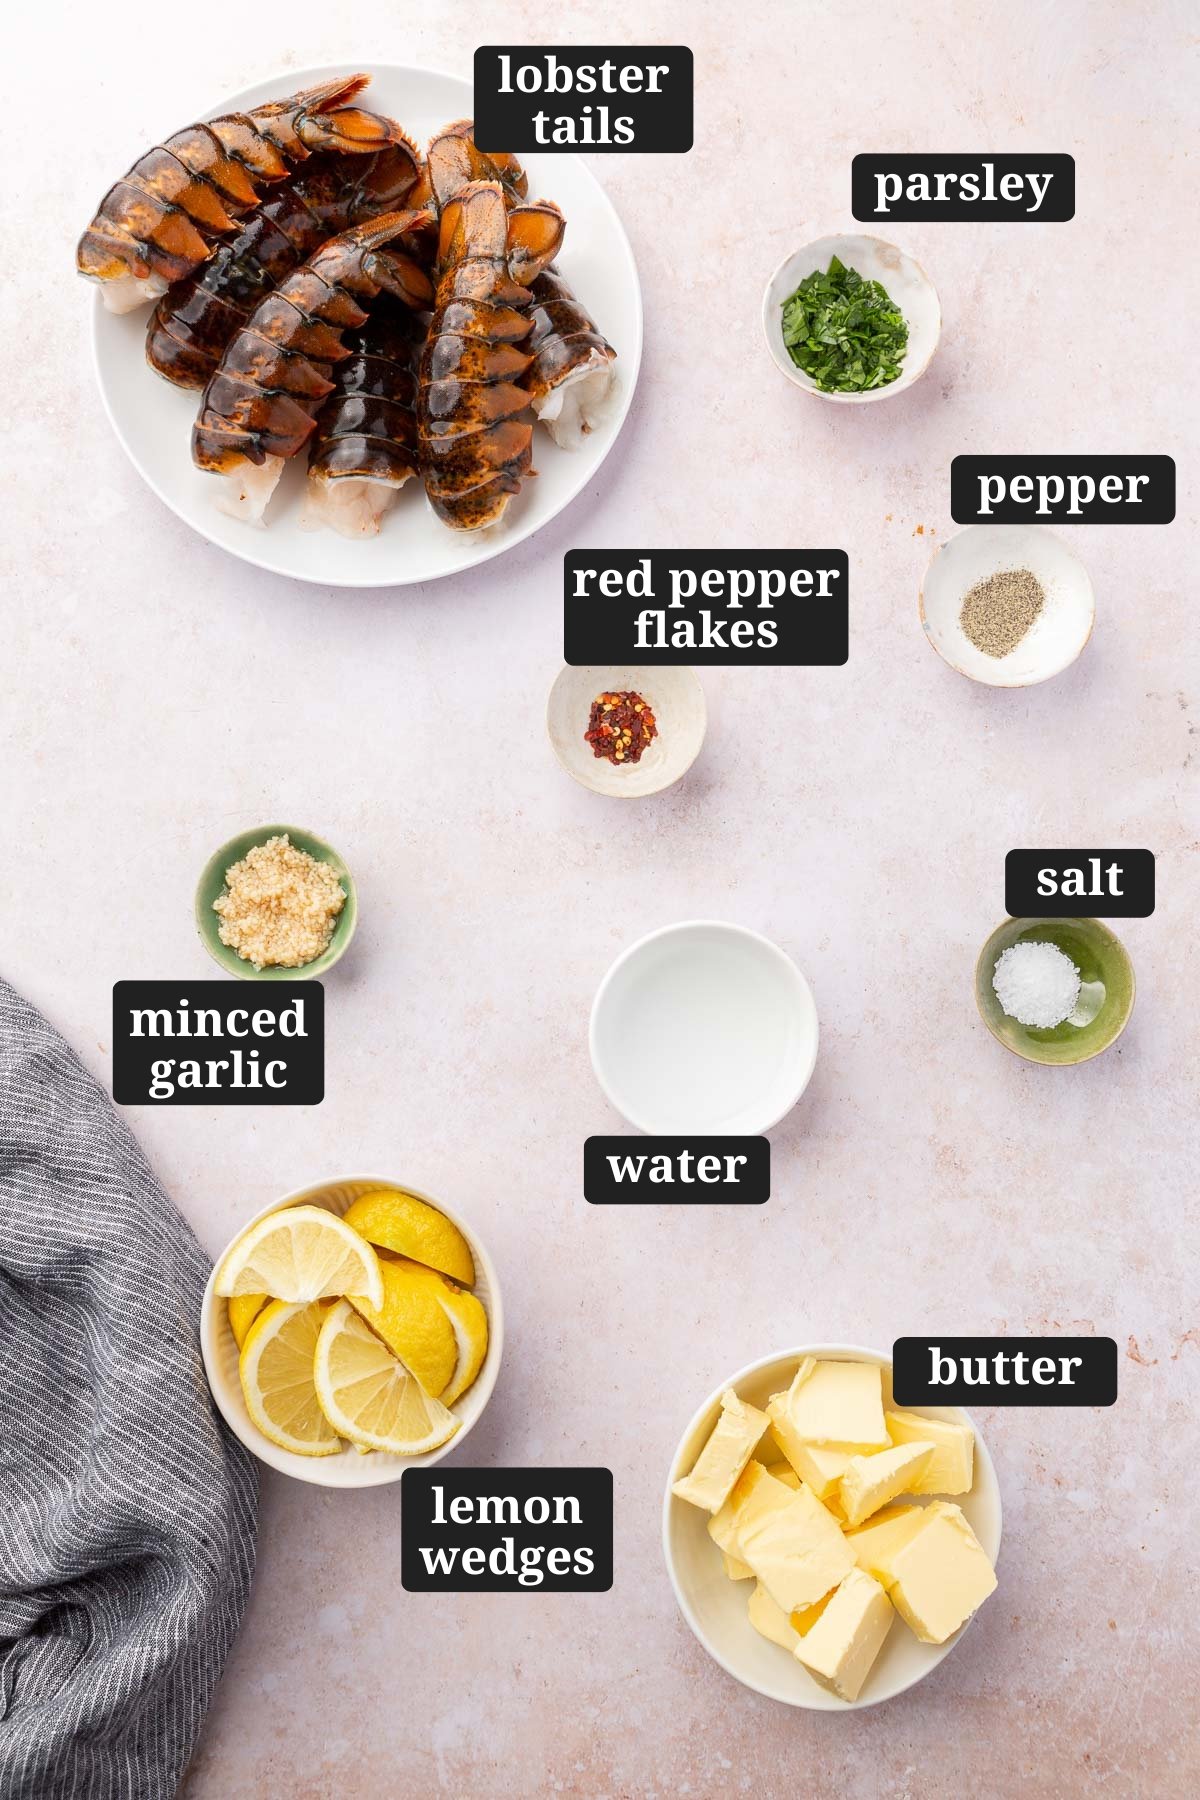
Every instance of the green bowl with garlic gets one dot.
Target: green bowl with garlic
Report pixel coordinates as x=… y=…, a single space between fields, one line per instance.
x=212 y=884
x=1106 y=990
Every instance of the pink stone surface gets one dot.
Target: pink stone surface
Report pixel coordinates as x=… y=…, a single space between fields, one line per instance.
x=157 y=696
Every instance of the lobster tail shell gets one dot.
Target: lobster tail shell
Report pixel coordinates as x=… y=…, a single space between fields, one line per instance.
x=567 y=348
x=564 y=336
x=455 y=161
x=159 y=222
x=193 y=322
x=263 y=398
x=322 y=97
x=535 y=237
x=473 y=224
x=367 y=428
x=475 y=446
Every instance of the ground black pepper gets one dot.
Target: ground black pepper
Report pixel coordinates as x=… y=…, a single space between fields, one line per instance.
x=997 y=613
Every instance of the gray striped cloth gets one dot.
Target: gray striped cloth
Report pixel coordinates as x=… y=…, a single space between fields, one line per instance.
x=127 y=1512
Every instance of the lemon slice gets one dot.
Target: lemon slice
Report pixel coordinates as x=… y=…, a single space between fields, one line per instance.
x=301 y=1253
x=413 y=1323
x=469 y=1322
x=401 y=1222
x=276 y=1367
x=370 y=1397
x=243 y=1310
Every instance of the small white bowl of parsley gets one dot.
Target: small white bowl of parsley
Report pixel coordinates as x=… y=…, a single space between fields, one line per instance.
x=851 y=319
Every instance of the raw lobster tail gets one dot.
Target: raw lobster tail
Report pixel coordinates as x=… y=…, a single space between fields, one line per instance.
x=365 y=445
x=159 y=222
x=571 y=376
x=260 y=406
x=475 y=449
x=194 y=321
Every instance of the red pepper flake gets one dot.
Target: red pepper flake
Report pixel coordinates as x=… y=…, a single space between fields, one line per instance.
x=620 y=727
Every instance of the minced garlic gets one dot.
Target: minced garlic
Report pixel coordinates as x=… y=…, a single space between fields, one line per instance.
x=279 y=906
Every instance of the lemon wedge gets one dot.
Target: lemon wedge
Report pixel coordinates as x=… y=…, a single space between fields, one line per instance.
x=413 y=1324
x=243 y=1310
x=276 y=1367
x=301 y=1253
x=370 y=1397
x=469 y=1322
x=400 y=1222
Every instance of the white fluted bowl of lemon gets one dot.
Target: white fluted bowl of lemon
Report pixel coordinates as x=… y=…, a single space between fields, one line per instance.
x=352 y=1330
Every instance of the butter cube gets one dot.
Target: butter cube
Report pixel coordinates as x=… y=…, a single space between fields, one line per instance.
x=788 y=1538
x=951 y=1469
x=841 y=1646
x=724 y=1456
x=938 y=1576
x=770 y=1621
x=832 y=1405
x=885 y=1531
x=803 y=1622
x=871 y=1481
x=833 y=1505
x=722 y=1529
x=822 y=1469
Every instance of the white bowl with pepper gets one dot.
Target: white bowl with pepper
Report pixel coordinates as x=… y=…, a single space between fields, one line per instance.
x=1007 y=605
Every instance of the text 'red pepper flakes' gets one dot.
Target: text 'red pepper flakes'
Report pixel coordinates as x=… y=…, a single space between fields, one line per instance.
x=620 y=727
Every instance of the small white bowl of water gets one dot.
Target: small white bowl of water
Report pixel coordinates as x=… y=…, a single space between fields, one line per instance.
x=704 y=1028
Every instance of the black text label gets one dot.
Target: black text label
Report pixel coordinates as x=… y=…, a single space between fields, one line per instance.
x=963 y=187
x=1069 y=884
x=1023 y=1371
x=506 y=1530
x=676 y=1171
x=214 y=1043
x=1075 y=490
x=786 y=607
x=561 y=97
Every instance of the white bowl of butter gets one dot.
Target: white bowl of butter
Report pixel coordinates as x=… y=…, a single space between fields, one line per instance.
x=727 y=1605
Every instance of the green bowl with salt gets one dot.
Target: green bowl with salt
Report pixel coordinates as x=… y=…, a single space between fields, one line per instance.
x=1106 y=990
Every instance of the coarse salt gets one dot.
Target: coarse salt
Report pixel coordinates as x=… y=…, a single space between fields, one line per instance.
x=1036 y=984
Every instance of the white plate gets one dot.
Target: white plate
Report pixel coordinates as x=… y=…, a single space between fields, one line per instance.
x=154 y=420
x=674 y=696
x=704 y=1028
x=876 y=260
x=348 y=1469
x=715 y=1607
x=1057 y=635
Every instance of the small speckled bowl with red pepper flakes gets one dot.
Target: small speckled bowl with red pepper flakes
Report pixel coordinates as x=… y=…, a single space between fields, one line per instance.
x=606 y=743
x=620 y=727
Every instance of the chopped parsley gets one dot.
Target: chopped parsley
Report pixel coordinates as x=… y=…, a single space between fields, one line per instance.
x=848 y=335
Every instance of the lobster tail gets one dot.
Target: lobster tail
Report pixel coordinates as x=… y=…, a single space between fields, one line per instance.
x=160 y=221
x=365 y=446
x=259 y=407
x=475 y=447
x=194 y=321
